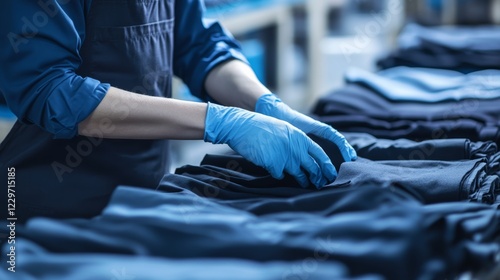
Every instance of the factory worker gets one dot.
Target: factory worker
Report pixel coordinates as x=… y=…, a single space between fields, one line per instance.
x=89 y=81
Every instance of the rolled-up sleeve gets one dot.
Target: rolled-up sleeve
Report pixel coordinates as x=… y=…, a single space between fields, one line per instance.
x=199 y=45
x=39 y=58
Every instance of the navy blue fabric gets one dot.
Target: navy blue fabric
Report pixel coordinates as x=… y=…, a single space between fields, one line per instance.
x=37 y=263
x=459 y=48
x=54 y=78
x=355 y=108
x=460 y=38
x=60 y=58
x=428 y=85
x=357 y=99
x=370 y=147
x=430 y=181
x=371 y=222
x=200 y=45
x=2 y=99
x=416 y=130
x=39 y=61
x=364 y=229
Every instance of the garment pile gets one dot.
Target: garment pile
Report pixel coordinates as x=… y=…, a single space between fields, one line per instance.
x=420 y=202
x=462 y=48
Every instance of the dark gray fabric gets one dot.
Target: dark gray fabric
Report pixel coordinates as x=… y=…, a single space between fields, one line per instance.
x=434 y=181
x=356 y=99
x=458 y=48
x=428 y=85
x=373 y=148
x=430 y=181
x=460 y=38
x=419 y=242
x=355 y=108
x=37 y=263
x=230 y=211
x=134 y=45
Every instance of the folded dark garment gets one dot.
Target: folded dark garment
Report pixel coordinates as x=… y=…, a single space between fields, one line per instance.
x=373 y=148
x=430 y=181
x=441 y=58
x=415 y=130
x=355 y=108
x=460 y=48
x=460 y=38
x=356 y=99
x=39 y=264
x=371 y=231
x=427 y=85
x=434 y=181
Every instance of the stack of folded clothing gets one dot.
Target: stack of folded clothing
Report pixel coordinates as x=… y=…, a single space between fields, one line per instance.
x=447 y=47
x=429 y=123
x=417 y=104
x=440 y=172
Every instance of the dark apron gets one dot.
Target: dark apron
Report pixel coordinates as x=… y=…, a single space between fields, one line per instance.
x=129 y=44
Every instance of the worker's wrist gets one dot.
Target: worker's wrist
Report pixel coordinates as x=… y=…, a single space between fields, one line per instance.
x=266 y=103
x=271 y=105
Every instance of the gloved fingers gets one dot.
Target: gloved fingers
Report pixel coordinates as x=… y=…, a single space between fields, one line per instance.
x=299 y=176
x=275 y=172
x=293 y=169
x=347 y=151
x=324 y=163
x=316 y=177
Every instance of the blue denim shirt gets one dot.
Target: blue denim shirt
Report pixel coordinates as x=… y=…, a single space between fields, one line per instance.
x=43 y=68
x=57 y=61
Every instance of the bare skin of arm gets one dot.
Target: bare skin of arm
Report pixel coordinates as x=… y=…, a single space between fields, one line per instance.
x=234 y=84
x=126 y=115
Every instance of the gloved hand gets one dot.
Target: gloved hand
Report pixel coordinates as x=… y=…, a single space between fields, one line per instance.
x=270 y=143
x=272 y=106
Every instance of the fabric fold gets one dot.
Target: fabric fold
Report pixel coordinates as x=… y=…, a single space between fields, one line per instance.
x=373 y=148
x=462 y=48
x=419 y=241
x=355 y=108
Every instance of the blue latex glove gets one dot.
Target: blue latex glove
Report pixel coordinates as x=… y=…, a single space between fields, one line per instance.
x=270 y=105
x=270 y=143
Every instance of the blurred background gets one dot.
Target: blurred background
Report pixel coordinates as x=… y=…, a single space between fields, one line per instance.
x=301 y=48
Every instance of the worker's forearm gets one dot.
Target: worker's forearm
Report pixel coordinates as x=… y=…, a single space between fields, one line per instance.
x=234 y=84
x=126 y=115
